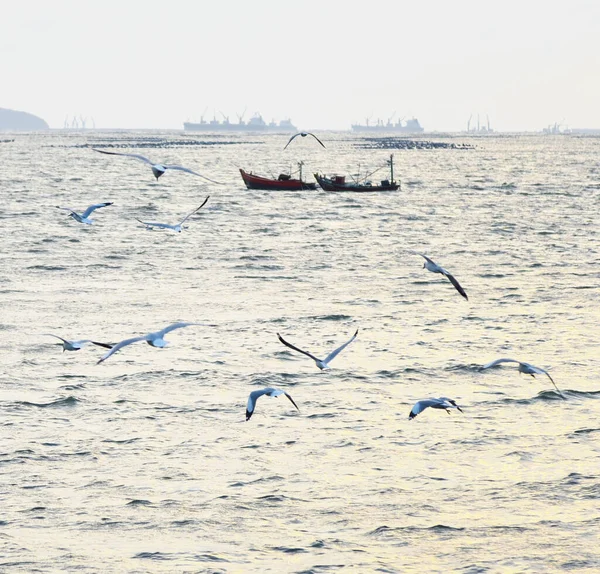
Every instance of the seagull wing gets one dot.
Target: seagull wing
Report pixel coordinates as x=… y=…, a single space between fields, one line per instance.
x=498 y=361
x=57 y=337
x=105 y=345
x=173 y=327
x=289 y=397
x=67 y=209
x=134 y=155
x=541 y=371
x=254 y=395
x=421 y=405
x=290 y=140
x=187 y=170
x=425 y=257
x=195 y=210
x=296 y=348
x=335 y=353
x=91 y=208
x=314 y=136
x=119 y=346
x=455 y=283
x=154 y=224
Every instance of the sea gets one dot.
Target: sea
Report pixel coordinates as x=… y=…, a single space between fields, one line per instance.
x=145 y=463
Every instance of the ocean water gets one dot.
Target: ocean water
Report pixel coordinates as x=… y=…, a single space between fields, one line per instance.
x=145 y=463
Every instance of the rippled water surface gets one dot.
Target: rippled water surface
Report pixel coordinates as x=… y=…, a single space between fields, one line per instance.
x=145 y=463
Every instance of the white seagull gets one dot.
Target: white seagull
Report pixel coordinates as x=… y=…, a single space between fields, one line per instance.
x=77 y=345
x=525 y=368
x=440 y=403
x=153 y=339
x=322 y=364
x=270 y=392
x=303 y=134
x=177 y=227
x=85 y=216
x=157 y=168
x=435 y=268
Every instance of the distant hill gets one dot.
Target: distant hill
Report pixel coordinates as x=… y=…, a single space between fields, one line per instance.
x=20 y=121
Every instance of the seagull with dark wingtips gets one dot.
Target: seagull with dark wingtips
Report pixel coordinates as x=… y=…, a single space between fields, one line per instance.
x=153 y=339
x=303 y=134
x=270 y=392
x=177 y=227
x=324 y=363
x=157 y=168
x=85 y=216
x=77 y=345
x=435 y=268
x=525 y=368
x=440 y=403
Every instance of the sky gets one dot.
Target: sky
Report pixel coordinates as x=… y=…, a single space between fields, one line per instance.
x=324 y=64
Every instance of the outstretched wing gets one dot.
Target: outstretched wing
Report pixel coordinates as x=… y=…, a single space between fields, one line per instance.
x=91 y=208
x=425 y=257
x=289 y=397
x=195 y=210
x=66 y=209
x=173 y=327
x=57 y=337
x=541 y=371
x=498 y=361
x=105 y=345
x=134 y=155
x=187 y=170
x=290 y=140
x=421 y=405
x=119 y=346
x=455 y=283
x=314 y=136
x=296 y=348
x=252 y=398
x=335 y=353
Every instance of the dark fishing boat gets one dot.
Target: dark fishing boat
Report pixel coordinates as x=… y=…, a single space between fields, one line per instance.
x=284 y=182
x=339 y=183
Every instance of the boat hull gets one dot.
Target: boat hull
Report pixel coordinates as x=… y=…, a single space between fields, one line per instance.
x=328 y=184
x=256 y=182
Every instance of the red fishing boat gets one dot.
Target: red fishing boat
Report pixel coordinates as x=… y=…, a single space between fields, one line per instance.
x=339 y=183
x=284 y=182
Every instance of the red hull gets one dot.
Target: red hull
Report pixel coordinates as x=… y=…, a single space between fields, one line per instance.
x=283 y=184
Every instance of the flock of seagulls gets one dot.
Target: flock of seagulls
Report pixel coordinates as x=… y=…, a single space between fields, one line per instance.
x=157 y=339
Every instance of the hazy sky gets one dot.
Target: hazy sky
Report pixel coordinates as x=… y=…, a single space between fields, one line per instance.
x=325 y=64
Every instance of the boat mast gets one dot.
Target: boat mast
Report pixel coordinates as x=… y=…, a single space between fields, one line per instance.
x=391 y=168
x=300 y=164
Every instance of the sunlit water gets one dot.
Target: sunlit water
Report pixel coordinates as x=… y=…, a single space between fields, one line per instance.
x=145 y=463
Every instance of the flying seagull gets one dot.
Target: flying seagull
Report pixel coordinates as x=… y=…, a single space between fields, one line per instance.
x=157 y=168
x=525 y=368
x=153 y=339
x=85 y=216
x=440 y=403
x=178 y=227
x=270 y=392
x=77 y=345
x=435 y=268
x=322 y=364
x=303 y=134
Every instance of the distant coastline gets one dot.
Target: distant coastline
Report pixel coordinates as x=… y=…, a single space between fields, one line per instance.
x=13 y=120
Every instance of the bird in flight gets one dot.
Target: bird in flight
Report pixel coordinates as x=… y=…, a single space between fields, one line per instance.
x=154 y=339
x=303 y=134
x=440 y=403
x=178 y=226
x=270 y=392
x=77 y=345
x=85 y=216
x=526 y=369
x=324 y=363
x=157 y=168
x=435 y=268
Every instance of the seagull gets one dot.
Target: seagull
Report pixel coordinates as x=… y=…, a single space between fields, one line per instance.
x=322 y=364
x=157 y=168
x=441 y=403
x=77 y=345
x=525 y=368
x=85 y=216
x=435 y=268
x=178 y=227
x=270 y=392
x=153 y=339
x=303 y=134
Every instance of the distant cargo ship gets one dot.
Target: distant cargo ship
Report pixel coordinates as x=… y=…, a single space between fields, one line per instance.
x=254 y=124
x=411 y=126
